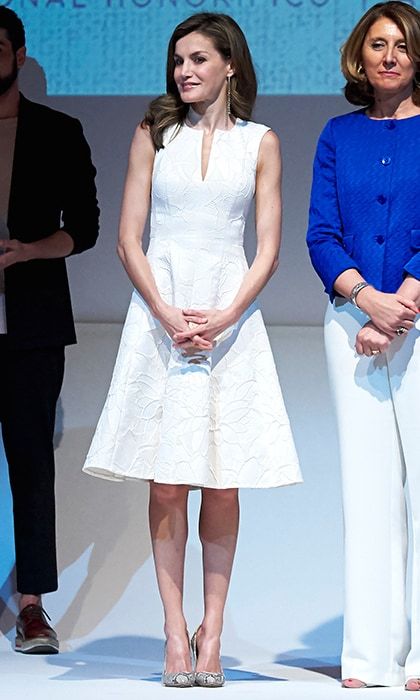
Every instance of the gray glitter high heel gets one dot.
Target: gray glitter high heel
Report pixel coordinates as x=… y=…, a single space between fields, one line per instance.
x=205 y=679
x=180 y=679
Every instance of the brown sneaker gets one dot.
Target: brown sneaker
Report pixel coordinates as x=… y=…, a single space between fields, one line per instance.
x=33 y=633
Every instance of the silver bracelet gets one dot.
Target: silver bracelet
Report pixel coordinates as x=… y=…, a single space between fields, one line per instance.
x=355 y=291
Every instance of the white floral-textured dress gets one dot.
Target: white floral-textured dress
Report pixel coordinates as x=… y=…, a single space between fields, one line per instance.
x=218 y=421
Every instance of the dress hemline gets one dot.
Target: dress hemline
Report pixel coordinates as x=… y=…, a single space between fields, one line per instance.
x=109 y=475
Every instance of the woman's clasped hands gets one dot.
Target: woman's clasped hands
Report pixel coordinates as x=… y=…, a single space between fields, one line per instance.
x=371 y=341
x=176 y=323
x=392 y=315
x=202 y=329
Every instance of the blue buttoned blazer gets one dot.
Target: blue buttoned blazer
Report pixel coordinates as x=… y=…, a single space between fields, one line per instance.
x=365 y=200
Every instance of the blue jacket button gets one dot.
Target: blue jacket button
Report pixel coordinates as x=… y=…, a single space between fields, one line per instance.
x=380 y=240
x=386 y=160
x=390 y=124
x=381 y=199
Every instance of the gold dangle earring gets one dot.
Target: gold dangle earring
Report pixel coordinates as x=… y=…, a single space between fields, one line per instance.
x=228 y=99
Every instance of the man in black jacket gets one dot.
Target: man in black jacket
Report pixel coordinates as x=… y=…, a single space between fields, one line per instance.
x=48 y=210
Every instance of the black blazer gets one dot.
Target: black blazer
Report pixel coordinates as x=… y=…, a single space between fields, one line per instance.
x=52 y=187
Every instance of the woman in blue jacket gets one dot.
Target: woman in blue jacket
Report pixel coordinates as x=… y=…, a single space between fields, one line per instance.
x=364 y=242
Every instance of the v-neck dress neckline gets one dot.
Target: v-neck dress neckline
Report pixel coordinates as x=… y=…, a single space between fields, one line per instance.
x=218 y=135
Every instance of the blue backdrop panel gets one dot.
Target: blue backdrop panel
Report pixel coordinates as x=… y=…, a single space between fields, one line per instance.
x=7 y=552
x=117 y=47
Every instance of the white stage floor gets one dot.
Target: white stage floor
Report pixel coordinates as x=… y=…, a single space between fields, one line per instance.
x=73 y=675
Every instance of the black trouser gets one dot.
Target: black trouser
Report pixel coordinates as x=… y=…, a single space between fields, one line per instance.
x=30 y=385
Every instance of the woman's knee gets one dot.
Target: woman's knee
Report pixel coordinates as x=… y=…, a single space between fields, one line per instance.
x=168 y=494
x=222 y=497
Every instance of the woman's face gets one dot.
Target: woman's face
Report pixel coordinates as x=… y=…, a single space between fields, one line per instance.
x=200 y=70
x=385 y=60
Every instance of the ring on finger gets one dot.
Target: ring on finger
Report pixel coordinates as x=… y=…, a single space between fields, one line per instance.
x=375 y=352
x=401 y=330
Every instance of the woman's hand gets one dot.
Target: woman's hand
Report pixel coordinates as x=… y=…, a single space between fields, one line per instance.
x=216 y=321
x=387 y=311
x=175 y=323
x=372 y=341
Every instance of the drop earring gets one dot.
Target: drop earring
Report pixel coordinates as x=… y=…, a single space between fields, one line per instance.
x=228 y=100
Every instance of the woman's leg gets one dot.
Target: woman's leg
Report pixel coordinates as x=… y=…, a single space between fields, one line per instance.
x=373 y=472
x=404 y=365
x=169 y=530
x=219 y=520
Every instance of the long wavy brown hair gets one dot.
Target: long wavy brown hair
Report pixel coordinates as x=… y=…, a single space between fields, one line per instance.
x=358 y=90
x=230 y=42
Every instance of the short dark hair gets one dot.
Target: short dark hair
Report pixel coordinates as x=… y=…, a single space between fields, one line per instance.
x=13 y=26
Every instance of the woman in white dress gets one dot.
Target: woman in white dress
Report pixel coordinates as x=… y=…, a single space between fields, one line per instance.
x=194 y=399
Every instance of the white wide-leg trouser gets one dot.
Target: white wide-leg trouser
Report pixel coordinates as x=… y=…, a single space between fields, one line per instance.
x=377 y=403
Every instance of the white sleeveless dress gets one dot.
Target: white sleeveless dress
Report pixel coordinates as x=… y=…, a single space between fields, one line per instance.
x=220 y=421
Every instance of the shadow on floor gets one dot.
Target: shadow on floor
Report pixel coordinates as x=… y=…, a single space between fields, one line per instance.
x=136 y=658
x=320 y=651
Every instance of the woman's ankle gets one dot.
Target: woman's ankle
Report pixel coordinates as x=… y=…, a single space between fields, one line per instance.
x=210 y=629
x=175 y=628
